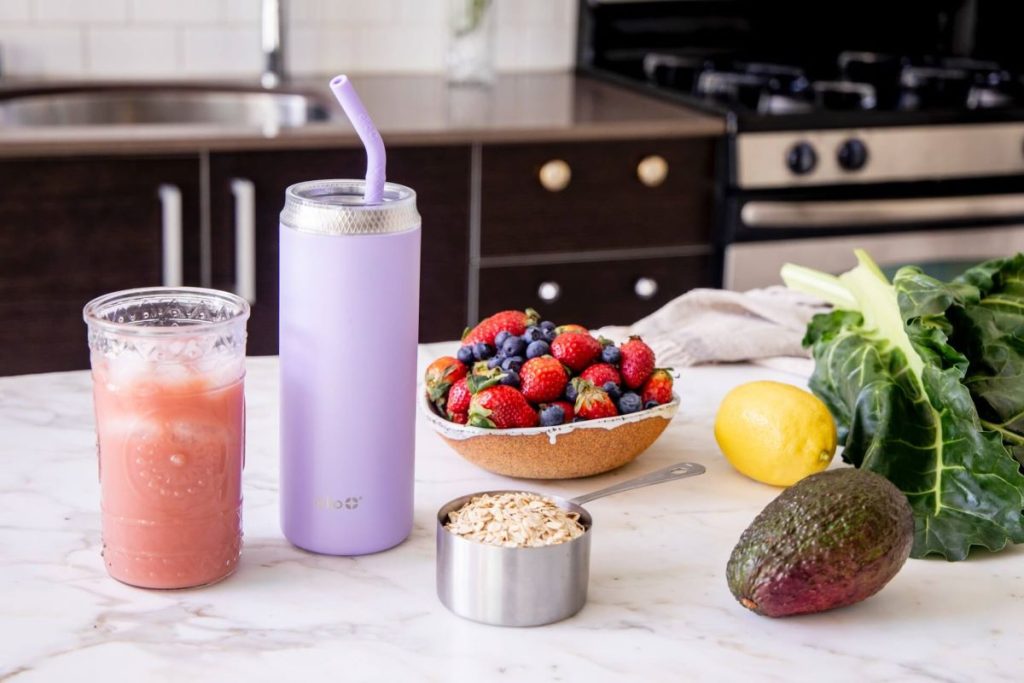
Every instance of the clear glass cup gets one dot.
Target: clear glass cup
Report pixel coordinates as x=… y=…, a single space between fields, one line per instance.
x=168 y=367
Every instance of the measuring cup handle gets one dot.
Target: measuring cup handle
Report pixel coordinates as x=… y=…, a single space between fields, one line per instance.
x=679 y=471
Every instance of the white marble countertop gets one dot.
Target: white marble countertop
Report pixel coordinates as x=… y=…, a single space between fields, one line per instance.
x=659 y=608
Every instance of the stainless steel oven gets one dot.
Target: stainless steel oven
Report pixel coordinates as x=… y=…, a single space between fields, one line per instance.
x=942 y=197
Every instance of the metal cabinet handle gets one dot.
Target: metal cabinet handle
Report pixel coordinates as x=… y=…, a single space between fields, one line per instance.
x=652 y=170
x=244 y=193
x=170 y=221
x=555 y=175
x=549 y=291
x=645 y=287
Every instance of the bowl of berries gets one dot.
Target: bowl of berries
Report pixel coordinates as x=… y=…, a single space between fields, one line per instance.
x=531 y=399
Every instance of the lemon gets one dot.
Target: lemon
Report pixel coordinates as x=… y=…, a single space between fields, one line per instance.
x=775 y=433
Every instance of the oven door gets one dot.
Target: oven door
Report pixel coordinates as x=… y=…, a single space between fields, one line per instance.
x=942 y=253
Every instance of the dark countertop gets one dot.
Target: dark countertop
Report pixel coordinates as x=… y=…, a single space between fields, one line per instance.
x=409 y=110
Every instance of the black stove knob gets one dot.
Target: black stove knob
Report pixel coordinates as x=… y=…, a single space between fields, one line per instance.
x=852 y=155
x=801 y=158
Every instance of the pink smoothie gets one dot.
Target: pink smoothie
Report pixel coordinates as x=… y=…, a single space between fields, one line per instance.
x=171 y=452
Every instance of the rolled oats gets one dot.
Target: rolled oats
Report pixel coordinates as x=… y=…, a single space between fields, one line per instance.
x=514 y=520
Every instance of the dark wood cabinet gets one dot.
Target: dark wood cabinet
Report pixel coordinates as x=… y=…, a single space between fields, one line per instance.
x=594 y=294
x=72 y=229
x=605 y=205
x=440 y=177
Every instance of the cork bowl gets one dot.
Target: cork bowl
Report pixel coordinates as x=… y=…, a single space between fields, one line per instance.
x=579 y=449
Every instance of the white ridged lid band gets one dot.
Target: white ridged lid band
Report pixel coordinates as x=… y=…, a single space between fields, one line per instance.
x=336 y=207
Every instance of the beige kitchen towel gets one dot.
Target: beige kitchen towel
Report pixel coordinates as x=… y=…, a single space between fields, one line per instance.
x=715 y=325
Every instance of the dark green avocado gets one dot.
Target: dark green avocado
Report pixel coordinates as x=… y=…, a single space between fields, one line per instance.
x=830 y=540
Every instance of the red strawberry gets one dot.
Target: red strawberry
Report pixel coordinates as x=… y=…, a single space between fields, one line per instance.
x=440 y=376
x=543 y=379
x=515 y=322
x=658 y=387
x=501 y=407
x=575 y=349
x=599 y=373
x=458 y=398
x=458 y=418
x=637 y=362
x=562 y=329
x=593 y=403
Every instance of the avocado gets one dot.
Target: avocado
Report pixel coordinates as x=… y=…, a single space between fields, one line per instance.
x=832 y=539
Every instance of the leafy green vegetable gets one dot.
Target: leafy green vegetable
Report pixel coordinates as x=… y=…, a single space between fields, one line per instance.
x=895 y=385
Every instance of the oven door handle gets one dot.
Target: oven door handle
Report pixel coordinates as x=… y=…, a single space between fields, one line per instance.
x=792 y=214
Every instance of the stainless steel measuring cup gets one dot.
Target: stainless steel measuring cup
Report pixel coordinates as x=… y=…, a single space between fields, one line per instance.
x=526 y=586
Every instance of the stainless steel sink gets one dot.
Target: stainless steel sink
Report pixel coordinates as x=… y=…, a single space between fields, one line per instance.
x=138 y=105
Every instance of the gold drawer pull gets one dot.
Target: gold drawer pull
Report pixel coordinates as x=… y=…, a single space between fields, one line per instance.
x=555 y=175
x=652 y=170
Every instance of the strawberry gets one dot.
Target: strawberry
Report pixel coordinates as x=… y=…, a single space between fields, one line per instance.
x=459 y=418
x=501 y=407
x=658 y=387
x=593 y=403
x=440 y=376
x=515 y=322
x=576 y=349
x=543 y=379
x=637 y=362
x=599 y=373
x=458 y=399
x=562 y=329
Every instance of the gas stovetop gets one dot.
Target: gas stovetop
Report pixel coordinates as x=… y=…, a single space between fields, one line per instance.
x=854 y=89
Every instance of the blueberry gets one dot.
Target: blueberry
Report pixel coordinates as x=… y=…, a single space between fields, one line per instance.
x=500 y=338
x=549 y=336
x=629 y=403
x=610 y=354
x=612 y=389
x=537 y=348
x=552 y=415
x=512 y=364
x=465 y=355
x=532 y=334
x=547 y=325
x=493 y=362
x=513 y=346
x=482 y=351
x=651 y=404
x=509 y=379
x=570 y=392
x=577 y=419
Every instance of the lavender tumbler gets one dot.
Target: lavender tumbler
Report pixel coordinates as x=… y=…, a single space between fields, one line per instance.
x=349 y=299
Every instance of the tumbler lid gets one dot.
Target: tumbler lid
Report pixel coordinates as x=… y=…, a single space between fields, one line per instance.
x=337 y=207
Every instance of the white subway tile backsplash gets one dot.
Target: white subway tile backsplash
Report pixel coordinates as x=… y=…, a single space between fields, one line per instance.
x=242 y=11
x=216 y=38
x=175 y=11
x=132 y=51
x=81 y=11
x=41 y=51
x=359 y=12
x=221 y=51
x=399 y=49
x=14 y=10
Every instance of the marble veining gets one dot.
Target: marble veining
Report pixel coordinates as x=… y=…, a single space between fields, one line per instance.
x=659 y=608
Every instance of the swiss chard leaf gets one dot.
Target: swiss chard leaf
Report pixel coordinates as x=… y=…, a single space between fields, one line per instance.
x=894 y=384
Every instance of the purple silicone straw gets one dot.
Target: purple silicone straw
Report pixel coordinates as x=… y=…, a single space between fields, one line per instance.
x=376 y=159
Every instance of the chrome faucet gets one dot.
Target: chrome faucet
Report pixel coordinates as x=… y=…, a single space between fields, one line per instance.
x=271 y=38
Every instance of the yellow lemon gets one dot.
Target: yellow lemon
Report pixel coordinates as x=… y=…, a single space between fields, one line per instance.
x=775 y=433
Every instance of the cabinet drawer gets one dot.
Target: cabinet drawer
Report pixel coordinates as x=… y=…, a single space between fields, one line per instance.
x=596 y=293
x=605 y=204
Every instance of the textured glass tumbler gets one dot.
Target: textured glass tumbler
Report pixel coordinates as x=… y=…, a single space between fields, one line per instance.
x=168 y=366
